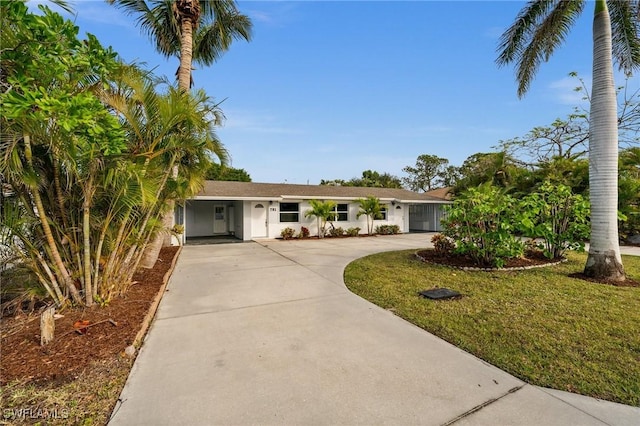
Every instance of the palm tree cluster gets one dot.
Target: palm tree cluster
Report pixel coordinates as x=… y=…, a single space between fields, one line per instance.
x=87 y=155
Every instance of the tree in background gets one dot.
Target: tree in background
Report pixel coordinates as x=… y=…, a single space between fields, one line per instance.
x=496 y=168
x=426 y=174
x=226 y=173
x=369 y=179
x=540 y=27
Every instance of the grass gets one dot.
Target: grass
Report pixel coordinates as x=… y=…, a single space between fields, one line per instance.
x=86 y=400
x=540 y=325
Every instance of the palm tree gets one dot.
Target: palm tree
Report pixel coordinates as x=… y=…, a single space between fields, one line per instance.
x=540 y=27
x=195 y=30
x=371 y=208
x=322 y=211
x=171 y=24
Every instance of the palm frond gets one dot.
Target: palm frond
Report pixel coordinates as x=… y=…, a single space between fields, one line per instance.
x=539 y=29
x=625 y=28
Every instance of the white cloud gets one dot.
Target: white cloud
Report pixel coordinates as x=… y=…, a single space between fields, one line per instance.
x=564 y=90
x=257 y=122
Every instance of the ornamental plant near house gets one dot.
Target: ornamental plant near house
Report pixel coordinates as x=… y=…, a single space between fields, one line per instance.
x=323 y=211
x=556 y=216
x=371 y=208
x=287 y=233
x=481 y=224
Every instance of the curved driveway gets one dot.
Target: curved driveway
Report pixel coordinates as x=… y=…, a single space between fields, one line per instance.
x=267 y=333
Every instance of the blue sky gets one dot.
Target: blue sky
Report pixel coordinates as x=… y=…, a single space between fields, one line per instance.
x=326 y=90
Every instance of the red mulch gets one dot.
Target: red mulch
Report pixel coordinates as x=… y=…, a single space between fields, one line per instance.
x=459 y=261
x=534 y=258
x=70 y=353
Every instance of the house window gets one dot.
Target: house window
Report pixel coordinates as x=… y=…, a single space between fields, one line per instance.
x=341 y=212
x=289 y=212
x=382 y=215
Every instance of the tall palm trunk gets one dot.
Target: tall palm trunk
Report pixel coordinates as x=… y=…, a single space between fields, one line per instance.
x=604 y=259
x=186 y=54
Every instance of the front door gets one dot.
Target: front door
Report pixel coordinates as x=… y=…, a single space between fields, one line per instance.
x=220 y=219
x=258 y=220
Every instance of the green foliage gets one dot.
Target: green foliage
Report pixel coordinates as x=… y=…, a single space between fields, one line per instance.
x=89 y=147
x=225 y=173
x=371 y=208
x=336 y=232
x=556 y=216
x=352 y=232
x=387 y=229
x=287 y=233
x=629 y=192
x=481 y=224
x=323 y=211
x=369 y=179
x=428 y=173
x=442 y=245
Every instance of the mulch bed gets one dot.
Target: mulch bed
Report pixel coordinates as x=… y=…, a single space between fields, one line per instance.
x=70 y=353
x=459 y=261
x=533 y=259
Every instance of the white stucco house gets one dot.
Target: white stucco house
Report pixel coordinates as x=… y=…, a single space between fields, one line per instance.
x=248 y=210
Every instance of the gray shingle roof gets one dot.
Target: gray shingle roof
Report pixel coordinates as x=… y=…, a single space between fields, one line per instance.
x=249 y=190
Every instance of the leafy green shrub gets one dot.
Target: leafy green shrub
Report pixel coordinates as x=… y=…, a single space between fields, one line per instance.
x=387 y=229
x=287 y=233
x=336 y=232
x=481 y=222
x=304 y=232
x=558 y=217
x=353 y=232
x=442 y=244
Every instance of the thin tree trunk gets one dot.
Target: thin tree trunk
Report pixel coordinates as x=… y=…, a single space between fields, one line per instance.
x=604 y=259
x=62 y=269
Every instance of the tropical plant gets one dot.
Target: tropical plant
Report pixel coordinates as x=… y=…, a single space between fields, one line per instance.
x=352 y=232
x=557 y=217
x=387 y=229
x=194 y=30
x=371 y=208
x=323 y=211
x=442 y=244
x=336 y=232
x=540 y=27
x=481 y=222
x=304 y=232
x=88 y=150
x=287 y=233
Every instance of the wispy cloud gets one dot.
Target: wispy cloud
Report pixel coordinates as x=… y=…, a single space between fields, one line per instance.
x=258 y=122
x=567 y=91
x=272 y=13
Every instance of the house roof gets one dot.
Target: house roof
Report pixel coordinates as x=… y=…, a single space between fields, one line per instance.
x=223 y=190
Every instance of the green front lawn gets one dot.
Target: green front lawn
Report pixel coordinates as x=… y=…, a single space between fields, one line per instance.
x=539 y=325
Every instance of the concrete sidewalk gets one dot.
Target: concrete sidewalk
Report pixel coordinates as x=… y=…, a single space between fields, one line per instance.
x=267 y=333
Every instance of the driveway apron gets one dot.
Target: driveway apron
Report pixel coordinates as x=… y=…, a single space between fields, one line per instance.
x=267 y=333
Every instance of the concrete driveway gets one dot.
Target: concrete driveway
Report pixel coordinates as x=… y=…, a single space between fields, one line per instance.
x=267 y=333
